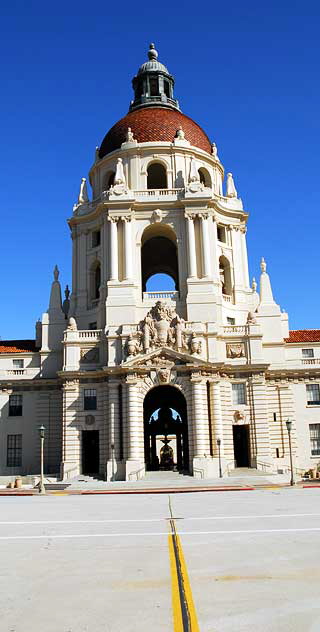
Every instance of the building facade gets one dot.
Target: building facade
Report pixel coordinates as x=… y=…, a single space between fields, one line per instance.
x=127 y=380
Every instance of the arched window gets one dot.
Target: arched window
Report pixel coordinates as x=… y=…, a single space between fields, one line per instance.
x=159 y=258
x=95 y=281
x=157 y=176
x=225 y=276
x=109 y=180
x=204 y=177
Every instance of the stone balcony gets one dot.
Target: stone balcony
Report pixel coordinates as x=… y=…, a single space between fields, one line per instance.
x=27 y=373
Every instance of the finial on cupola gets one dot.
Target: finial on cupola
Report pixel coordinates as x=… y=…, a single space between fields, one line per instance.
x=266 y=295
x=83 y=193
x=152 y=52
x=263 y=265
x=56 y=273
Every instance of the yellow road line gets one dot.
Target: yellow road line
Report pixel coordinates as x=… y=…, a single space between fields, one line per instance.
x=184 y=612
x=176 y=606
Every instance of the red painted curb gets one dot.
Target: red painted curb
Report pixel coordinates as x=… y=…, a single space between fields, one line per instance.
x=311 y=486
x=167 y=490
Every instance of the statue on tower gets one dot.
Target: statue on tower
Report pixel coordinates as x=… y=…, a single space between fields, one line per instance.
x=83 y=194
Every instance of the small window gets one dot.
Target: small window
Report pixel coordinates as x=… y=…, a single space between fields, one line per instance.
x=90 y=399
x=315 y=439
x=313 y=394
x=154 y=90
x=166 y=89
x=15 y=405
x=18 y=364
x=14 y=450
x=93 y=326
x=239 y=393
x=222 y=235
x=307 y=353
x=96 y=237
x=231 y=321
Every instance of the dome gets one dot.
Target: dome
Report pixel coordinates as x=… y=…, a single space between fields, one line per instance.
x=153 y=66
x=154 y=124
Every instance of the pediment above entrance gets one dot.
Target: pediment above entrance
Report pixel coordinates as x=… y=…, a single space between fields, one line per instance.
x=164 y=357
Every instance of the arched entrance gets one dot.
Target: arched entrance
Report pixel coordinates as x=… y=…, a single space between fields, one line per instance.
x=165 y=429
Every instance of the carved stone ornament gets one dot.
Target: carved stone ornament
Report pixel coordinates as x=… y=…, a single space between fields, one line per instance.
x=157 y=215
x=163 y=327
x=89 y=420
x=89 y=356
x=239 y=417
x=164 y=375
x=235 y=350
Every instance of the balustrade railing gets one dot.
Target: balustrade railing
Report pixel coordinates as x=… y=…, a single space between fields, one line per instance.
x=227 y=298
x=235 y=329
x=311 y=361
x=151 y=193
x=90 y=334
x=161 y=295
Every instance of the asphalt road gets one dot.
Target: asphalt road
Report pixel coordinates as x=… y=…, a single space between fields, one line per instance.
x=104 y=563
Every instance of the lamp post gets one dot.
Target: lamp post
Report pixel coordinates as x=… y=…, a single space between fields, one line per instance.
x=219 y=453
x=112 y=460
x=289 y=427
x=42 y=489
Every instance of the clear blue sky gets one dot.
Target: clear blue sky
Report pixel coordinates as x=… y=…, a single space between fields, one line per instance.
x=248 y=72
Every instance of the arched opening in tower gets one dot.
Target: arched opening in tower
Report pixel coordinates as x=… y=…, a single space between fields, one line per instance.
x=166 y=429
x=225 y=276
x=156 y=176
x=159 y=259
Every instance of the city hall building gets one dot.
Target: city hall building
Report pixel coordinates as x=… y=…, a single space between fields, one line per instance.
x=127 y=380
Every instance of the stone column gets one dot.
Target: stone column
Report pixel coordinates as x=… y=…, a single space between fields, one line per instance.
x=127 y=248
x=206 y=262
x=201 y=443
x=216 y=410
x=114 y=272
x=192 y=263
x=215 y=258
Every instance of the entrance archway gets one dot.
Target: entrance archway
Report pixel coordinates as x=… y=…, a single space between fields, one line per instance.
x=166 y=429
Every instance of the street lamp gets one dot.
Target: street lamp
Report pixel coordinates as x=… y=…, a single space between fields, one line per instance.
x=42 y=489
x=112 y=460
x=289 y=427
x=219 y=445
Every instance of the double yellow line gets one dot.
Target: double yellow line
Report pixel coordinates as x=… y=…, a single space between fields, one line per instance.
x=184 y=613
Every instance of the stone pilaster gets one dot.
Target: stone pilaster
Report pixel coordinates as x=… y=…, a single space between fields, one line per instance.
x=133 y=422
x=200 y=425
x=192 y=263
x=114 y=268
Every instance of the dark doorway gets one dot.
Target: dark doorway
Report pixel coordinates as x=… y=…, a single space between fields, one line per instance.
x=241 y=446
x=166 y=429
x=90 y=451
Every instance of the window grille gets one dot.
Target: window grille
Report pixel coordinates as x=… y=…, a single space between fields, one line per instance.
x=307 y=353
x=239 y=393
x=313 y=394
x=15 y=405
x=18 y=364
x=315 y=439
x=14 y=450
x=90 y=399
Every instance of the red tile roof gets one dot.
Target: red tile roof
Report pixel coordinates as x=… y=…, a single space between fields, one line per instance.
x=154 y=124
x=17 y=346
x=304 y=335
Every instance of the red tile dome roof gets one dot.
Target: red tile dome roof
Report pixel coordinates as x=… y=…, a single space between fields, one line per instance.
x=154 y=124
